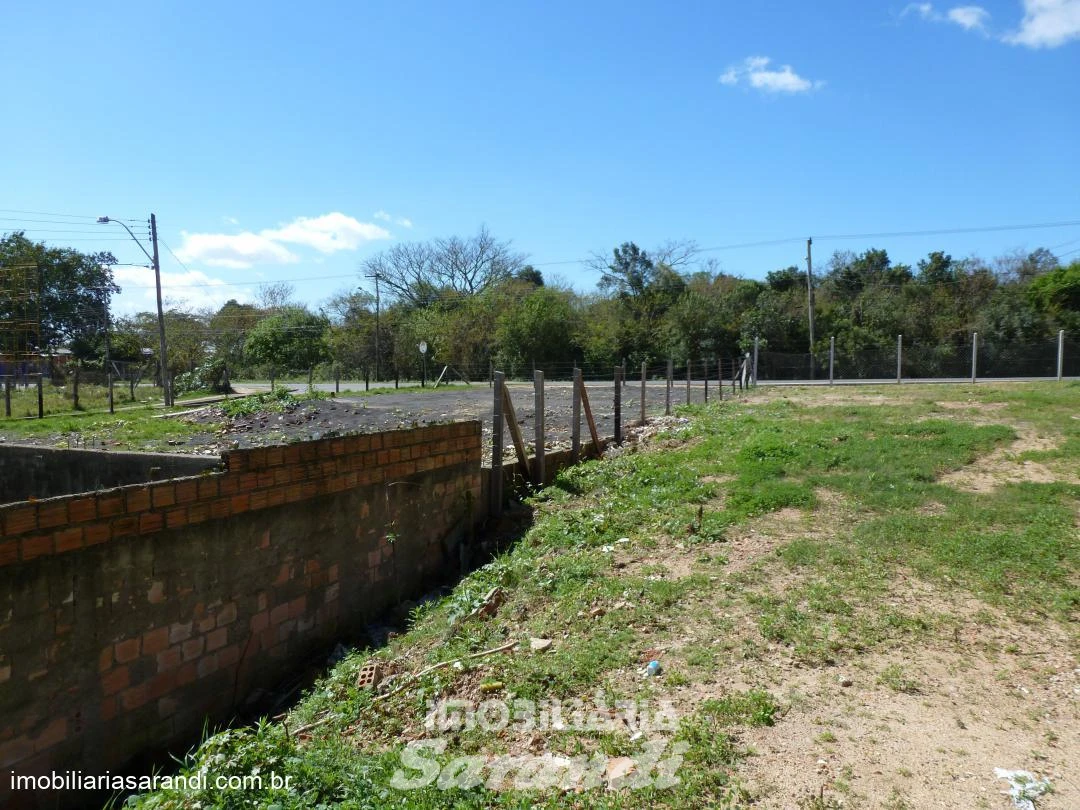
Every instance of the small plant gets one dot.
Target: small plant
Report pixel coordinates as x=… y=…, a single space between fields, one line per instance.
x=893 y=676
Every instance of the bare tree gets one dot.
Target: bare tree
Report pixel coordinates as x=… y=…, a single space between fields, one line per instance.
x=421 y=272
x=275 y=296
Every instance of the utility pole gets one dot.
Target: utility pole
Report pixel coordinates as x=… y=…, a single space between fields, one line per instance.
x=166 y=385
x=810 y=299
x=377 y=307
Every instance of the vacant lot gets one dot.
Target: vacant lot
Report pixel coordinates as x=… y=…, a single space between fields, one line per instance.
x=857 y=598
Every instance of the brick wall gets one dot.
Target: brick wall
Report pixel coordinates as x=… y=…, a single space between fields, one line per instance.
x=128 y=616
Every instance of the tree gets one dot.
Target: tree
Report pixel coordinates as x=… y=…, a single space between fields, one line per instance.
x=229 y=328
x=540 y=328
x=1058 y=294
x=290 y=340
x=422 y=273
x=69 y=291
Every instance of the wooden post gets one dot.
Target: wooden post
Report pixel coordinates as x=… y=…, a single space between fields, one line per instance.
x=538 y=425
x=515 y=429
x=705 y=368
x=644 y=378
x=589 y=417
x=367 y=379
x=667 y=390
x=496 y=443
x=899 y=355
x=689 y=365
x=397 y=377
x=832 y=357
x=40 y=398
x=618 y=404
x=1061 y=354
x=575 y=424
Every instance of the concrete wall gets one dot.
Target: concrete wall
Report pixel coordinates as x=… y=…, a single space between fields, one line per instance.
x=43 y=472
x=129 y=616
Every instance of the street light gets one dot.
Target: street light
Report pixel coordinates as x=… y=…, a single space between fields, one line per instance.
x=166 y=387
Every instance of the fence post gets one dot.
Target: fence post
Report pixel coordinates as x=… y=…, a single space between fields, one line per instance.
x=899 y=355
x=832 y=357
x=1061 y=354
x=644 y=378
x=575 y=425
x=623 y=378
x=974 y=354
x=491 y=373
x=720 y=378
x=337 y=379
x=618 y=404
x=667 y=392
x=108 y=379
x=538 y=425
x=689 y=365
x=754 y=372
x=705 y=368
x=496 y=445
x=7 y=397
x=40 y=398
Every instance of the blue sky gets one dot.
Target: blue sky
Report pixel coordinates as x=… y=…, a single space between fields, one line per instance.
x=291 y=141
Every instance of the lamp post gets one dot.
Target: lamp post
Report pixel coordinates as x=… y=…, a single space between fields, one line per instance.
x=423 y=355
x=166 y=386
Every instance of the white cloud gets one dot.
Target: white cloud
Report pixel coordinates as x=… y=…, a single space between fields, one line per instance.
x=755 y=72
x=970 y=18
x=328 y=233
x=194 y=289
x=230 y=220
x=1047 y=24
x=404 y=222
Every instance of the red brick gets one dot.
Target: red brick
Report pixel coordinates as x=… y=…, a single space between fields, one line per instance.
x=266 y=479
x=257 y=458
x=280 y=613
x=160 y=685
x=168 y=659
x=205 y=624
x=110 y=505
x=32 y=547
x=227 y=614
x=240 y=503
x=229 y=656
x=249 y=481
x=52 y=514
x=297 y=606
x=179 y=631
x=150 y=522
x=275 y=456
x=97 y=533
x=134 y=697
x=82 y=509
x=138 y=500
x=9 y=552
x=257 y=500
x=155 y=641
x=208 y=488
x=207 y=665
x=193 y=647
x=186 y=674
x=275 y=497
x=52 y=734
x=217 y=639
x=68 y=539
x=229 y=484
x=260 y=621
x=108 y=709
x=198 y=512
x=220 y=509
x=187 y=491
x=126 y=650
x=162 y=495
x=19 y=520
x=105 y=659
x=115 y=680
x=177 y=518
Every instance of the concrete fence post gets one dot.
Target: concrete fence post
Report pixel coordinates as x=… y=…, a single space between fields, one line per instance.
x=754 y=372
x=720 y=379
x=832 y=357
x=644 y=379
x=1061 y=354
x=575 y=425
x=538 y=420
x=705 y=368
x=667 y=390
x=618 y=404
x=689 y=365
x=40 y=397
x=974 y=355
x=7 y=398
x=108 y=381
x=899 y=356
x=497 y=422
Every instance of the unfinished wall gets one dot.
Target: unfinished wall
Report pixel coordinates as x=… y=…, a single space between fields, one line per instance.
x=41 y=472
x=129 y=616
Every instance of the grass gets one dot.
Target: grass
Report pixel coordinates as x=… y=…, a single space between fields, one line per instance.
x=58 y=399
x=819 y=595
